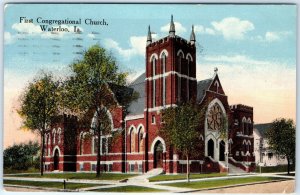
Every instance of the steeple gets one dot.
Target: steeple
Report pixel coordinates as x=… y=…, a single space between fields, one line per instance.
x=172 y=28
x=149 y=37
x=192 y=37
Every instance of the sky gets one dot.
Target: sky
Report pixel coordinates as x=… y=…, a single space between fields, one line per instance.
x=253 y=47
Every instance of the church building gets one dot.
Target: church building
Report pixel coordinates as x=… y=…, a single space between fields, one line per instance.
x=169 y=78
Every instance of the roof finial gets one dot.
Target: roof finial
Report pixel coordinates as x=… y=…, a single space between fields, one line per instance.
x=172 y=28
x=192 y=37
x=149 y=37
x=216 y=70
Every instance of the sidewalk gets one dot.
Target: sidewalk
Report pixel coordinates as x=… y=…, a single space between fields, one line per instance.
x=141 y=180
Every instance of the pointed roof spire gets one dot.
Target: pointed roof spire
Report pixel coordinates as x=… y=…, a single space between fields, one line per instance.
x=149 y=37
x=172 y=28
x=192 y=37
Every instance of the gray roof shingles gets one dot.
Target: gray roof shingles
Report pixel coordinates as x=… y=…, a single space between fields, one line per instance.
x=262 y=128
x=137 y=106
x=202 y=86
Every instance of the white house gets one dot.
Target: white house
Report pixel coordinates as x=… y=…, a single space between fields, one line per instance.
x=263 y=154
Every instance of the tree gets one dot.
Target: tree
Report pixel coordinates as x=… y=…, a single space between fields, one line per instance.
x=180 y=127
x=89 y=93
x=282 y=138
x=21 y=156
x=39 y=105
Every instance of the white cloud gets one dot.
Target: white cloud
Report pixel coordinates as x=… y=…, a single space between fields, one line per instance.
x=8 y=38
x=137 y=46
x=276 y=36
x=29 y=28
x=92 y=36
x=233 y=28
x=179 y=28
x=203 y=30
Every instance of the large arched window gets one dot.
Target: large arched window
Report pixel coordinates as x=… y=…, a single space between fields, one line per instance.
x=180 y=57
x=189 y=61
x=249 y=127
x=153 y=62
x=214 y=118
x=132 y=140
x=163 y=70
x=59 y=135
x=140 y=139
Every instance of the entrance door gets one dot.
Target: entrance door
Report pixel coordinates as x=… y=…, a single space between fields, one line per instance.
x=158 y=155
x=210 y=148
x=56 y=159
x=222 y=151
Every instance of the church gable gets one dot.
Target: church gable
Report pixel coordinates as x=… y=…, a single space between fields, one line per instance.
x=216 y=86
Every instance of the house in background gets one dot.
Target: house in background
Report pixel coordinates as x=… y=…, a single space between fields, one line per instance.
x=263 y=154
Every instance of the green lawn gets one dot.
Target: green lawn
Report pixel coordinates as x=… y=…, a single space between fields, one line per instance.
x=183 y=176
x=103 y=176
x=220 y=183
x=48 y=184
x=129 y=188
x=12 y=171
x=279 y=168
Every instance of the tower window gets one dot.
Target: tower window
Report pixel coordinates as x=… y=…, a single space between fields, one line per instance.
x=153 y=83
x=163 y=66
x=180 y=57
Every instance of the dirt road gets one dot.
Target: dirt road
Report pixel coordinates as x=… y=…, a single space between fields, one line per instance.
x=274 y=187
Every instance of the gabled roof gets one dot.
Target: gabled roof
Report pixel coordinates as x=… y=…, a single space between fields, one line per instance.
x=262 y=128
x=202 y=86
x=138 y=85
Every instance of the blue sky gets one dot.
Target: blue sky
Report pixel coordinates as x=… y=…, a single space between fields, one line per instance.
x=253 y=46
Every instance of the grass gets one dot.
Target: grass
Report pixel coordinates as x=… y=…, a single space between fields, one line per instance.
x=103 y=176
x=129 y=188
x=12 y=171
x=183 y=176
x=48 y=184
x=221 y=183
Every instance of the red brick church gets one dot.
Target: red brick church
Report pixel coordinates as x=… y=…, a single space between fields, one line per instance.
x=169 y=78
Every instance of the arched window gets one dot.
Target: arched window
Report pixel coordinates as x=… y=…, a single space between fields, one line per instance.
x=153 y=82
x=54 y=136
x=249 y=124
x=81 y=140
x=132 y=140
x=95 y=144
x=189 y=60
x=59 y=135
x=163 y=70
x=180 y=58
x=244 y=124
x=140 y=140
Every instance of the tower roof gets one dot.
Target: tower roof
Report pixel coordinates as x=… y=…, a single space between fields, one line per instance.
x=172 y=28
x=193 y=37
x=149 y=37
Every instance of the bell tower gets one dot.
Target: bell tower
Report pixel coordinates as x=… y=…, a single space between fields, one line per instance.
x=170 y=70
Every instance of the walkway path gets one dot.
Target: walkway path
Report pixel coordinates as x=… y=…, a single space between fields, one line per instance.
x=141 y=180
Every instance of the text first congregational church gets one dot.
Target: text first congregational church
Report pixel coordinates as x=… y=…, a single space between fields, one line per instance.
x=169 y=78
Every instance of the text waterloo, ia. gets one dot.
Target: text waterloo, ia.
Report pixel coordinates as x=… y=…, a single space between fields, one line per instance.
x=45 y=24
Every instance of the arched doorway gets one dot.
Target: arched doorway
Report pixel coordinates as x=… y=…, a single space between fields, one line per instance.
x=56 y=160
x=158 y=155
x=211 y=148
x=222 y=151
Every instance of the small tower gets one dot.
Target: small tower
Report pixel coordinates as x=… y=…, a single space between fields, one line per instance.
x=149 y=37
x=192 y=37
x=172 y=28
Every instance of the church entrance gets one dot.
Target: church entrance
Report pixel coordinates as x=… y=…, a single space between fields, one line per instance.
x=56 y=160
x=158 y=155
x=222 y=151
x=210 y=148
